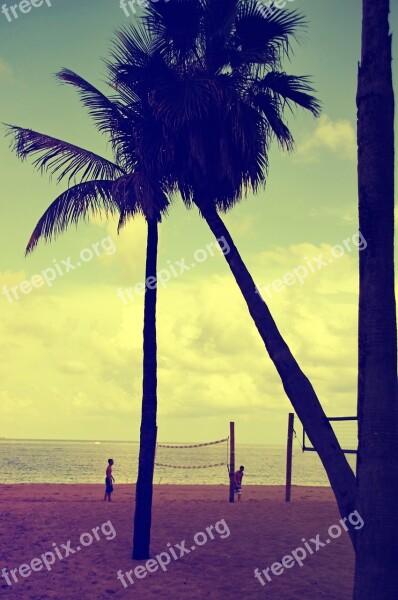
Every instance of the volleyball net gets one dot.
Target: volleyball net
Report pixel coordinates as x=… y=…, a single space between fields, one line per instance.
x=193 y=456
x=346 y=430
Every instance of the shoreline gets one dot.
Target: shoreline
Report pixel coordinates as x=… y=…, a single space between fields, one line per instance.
x=176 y=485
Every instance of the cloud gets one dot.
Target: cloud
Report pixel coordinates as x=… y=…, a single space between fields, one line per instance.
x=73 y=367
x=337 y=137
x=242 y=225
x=5 y=69
x=80 y=352
x=340 y=215
x=129 y=260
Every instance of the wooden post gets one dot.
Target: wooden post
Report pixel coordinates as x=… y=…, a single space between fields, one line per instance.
x=232 y=462
x=290 y=430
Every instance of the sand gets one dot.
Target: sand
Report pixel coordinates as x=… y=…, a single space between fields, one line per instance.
x=263 y=529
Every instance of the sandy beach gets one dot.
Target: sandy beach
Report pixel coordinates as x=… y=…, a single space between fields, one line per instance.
x=36 y=519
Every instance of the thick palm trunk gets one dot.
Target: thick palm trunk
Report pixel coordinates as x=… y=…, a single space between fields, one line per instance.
x=297 y=386
x=143 y=494
x=376 y=574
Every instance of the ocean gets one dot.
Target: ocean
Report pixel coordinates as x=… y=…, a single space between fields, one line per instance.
x=45 y=461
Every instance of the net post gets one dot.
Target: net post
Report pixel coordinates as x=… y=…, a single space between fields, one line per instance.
x=289 y=454
x=231 y=461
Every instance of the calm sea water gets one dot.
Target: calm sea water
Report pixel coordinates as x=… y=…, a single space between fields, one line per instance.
x=27 y=461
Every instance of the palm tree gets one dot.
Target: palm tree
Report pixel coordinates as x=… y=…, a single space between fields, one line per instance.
x=376 y=574
x=129 y=186
x=221 y=96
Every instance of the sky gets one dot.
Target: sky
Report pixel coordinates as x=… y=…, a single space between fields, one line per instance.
x=71 y=349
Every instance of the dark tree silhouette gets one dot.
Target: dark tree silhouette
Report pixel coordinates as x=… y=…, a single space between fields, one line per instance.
x=221 y=94
x=129 y=186
x=376 y=573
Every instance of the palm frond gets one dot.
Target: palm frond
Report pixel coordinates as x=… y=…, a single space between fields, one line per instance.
x=270 y=108
x=135 y=82
x=139 y=193
x=108 y=114
x=60 y=158
x=219 y=17
x=134 y=45
x=136 y=66
x=246 y=149
x=267 y=30
x=292 y=90
x=181 y=99
x=78 y=202
x=176 y=27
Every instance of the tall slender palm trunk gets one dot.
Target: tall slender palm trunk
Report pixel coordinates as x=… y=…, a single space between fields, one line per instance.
x=143 y=494
x=376 y=574
x=297 y=386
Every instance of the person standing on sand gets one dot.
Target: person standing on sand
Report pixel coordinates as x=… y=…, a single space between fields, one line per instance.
x=238 y=482
x=109 y=479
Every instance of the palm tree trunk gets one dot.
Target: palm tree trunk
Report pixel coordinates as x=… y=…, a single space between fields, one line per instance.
x=376 y=573
x=297 y=386
x=143 y=494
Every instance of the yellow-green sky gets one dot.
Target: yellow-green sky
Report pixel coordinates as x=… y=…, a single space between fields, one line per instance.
x=70 y=355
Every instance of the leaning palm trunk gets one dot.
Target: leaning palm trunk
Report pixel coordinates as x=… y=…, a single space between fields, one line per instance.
x=143 y=497
x=297 y=386
x=376 y=574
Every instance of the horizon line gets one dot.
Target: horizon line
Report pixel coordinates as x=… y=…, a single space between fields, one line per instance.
x=7 y=439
